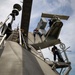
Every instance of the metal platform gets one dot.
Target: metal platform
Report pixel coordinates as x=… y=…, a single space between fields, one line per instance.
x=59 y=64
x=41 y=43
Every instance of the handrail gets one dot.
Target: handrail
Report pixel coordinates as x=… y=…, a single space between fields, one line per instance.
x=2 y=39
x=5 y=21
x=63 y=47
x=20 y=41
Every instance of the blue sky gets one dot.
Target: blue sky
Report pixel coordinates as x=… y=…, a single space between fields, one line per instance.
x=62 y=7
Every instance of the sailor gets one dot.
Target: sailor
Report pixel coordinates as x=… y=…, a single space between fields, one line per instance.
x=52 y=20
x=36 y=31
x=57 y=53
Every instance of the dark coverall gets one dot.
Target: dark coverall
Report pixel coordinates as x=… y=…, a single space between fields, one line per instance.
x=56 y=52
x=51 y=21
x=36 y=32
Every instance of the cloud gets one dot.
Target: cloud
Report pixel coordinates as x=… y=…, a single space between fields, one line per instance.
x=73 y=4
x=49 y=6
x=67 y=33
x=6 y=7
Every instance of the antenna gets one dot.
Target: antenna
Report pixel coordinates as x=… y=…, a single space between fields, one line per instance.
x=45 y=15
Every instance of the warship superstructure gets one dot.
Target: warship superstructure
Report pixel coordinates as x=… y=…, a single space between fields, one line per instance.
x=19 y=48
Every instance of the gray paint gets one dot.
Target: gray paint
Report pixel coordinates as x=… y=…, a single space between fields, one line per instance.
x=15 y=60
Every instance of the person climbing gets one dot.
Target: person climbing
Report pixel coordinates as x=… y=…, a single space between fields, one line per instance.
x=36 y=31
x=57 y=53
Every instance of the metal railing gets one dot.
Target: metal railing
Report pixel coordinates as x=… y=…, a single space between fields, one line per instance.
x=64 y=49
x=2 y=38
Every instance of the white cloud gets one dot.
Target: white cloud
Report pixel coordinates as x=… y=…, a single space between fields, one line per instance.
x=6 y=7
x=46 y=6
x=67 y=33
x=73 y=4
x=68 y=29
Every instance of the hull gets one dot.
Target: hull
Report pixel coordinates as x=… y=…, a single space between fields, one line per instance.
x=15 y=60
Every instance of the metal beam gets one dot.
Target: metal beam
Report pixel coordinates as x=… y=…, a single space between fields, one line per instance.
x=27 y=4
x=45 y=15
